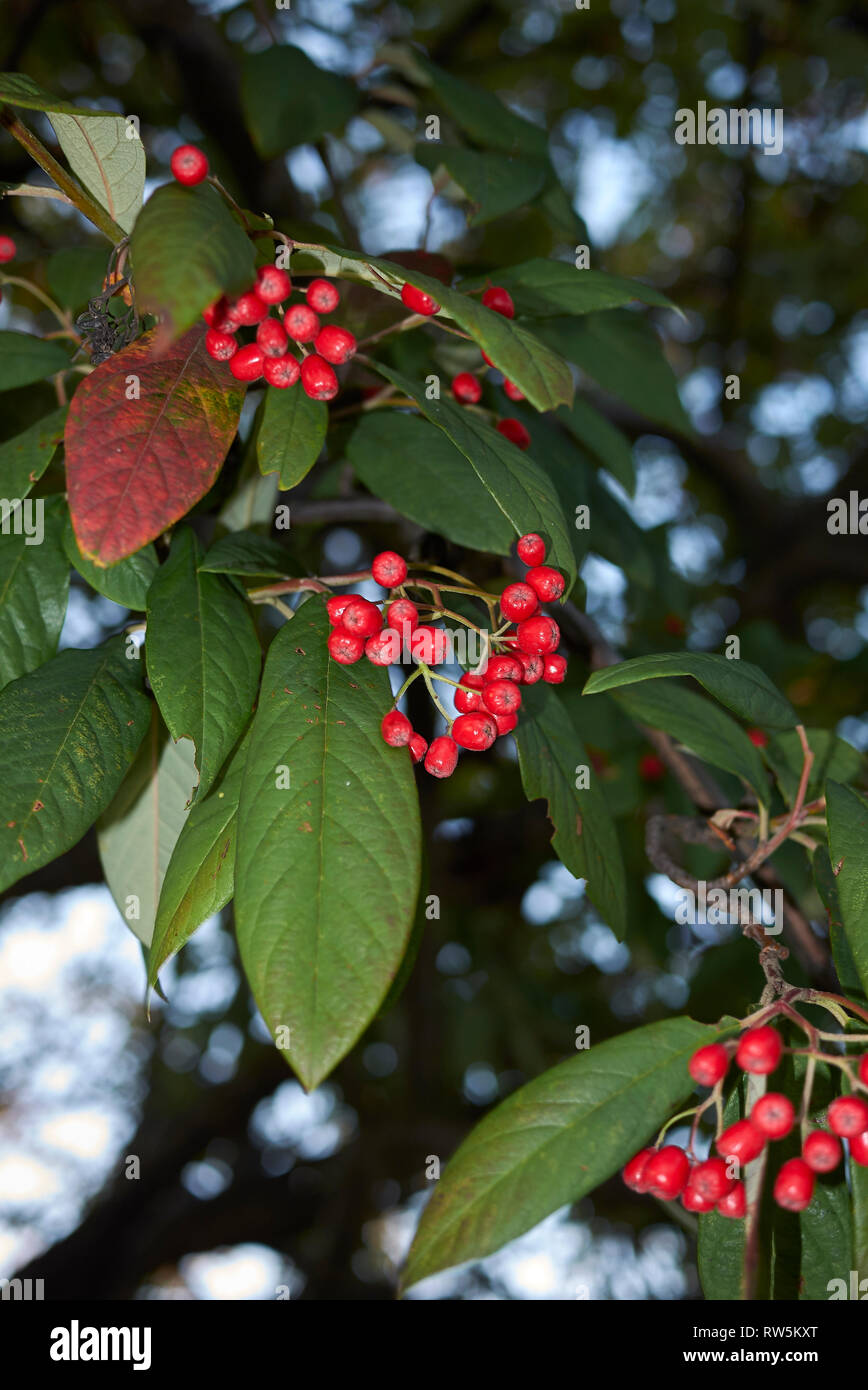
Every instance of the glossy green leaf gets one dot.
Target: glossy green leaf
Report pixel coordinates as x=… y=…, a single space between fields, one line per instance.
x=25 y=359
x=327 y=867
x=847 y=819
x=292 y=433
x=18 y=90
x=842 y=956
x=199 y=879
x=288 y=100
x=139 y=830
x=34 y=585
x=548 y=289
x=25 y=457
x=741 y=686
x=494 y=184
x=555 y=1140
x=203 y=656
x=186 y=250
x=247 y=553
x=703 y=727
x=108 y=164
x=513 y=480
x=126 y=583
x=69 y=732
x=826 y=1238
x=859 y=1217
x=605 y=441
x=550 y=755
x=482 y=115
x=833 y=758
x=418 y=470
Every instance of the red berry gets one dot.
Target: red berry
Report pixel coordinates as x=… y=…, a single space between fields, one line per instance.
x=273 y=284
x=821 y=1151
x=848 y=1116
x=213 y=313
x=384 y=648
x=547 y=584
x=757 y=737
x=863 y=1069
x=741 y=1141
x=674 y=625
x=396 y=729
x=505 y=723
x=501 y=697
x=220 y=346
x=345 y=647
x=442 y=757
x=322 y=296
x=420 y=303
x=248 y=363
x=539 y=635
x=693 y=1200
x=500 y=300
x=271 y=337
x=794 y=1185
x=711 y=1178
x=534 y=667
x=651 y=768
x=512 y=391
x=555 y=669
x=336 y=607
x=430 y=645
x=361 y=617
x=281 y=371
x=859 y=1149
x=389 y=569
x=486 y=358
x=468 y=696
x=633 y=1172
x=466 y=388
x=8 y=249
x=708 y=1064
x=418 y=747
x=317 y=379
x=773 y=1115
x=517 y=602
x=759 y=1050
x=531 y=549
x=301 y=323
x=189 y=165
x=475 y=731
x=503 y=668
x=335 y=344
x=734 y=1204
x=667 y=1172
x=515 y=431
x=400 y=612
x=249 y=309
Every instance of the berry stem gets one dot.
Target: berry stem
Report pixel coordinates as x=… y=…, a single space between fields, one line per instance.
x=402 y=326
x=426 y=676
x=407 y=683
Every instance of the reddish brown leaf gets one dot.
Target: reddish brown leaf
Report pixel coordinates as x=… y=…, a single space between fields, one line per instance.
x=136 y=466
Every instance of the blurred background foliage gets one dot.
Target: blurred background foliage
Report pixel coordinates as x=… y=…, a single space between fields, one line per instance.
x=245 y=1185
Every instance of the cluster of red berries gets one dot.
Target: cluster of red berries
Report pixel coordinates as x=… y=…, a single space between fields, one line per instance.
x=714 y=1183
x=467 y=388
x=487 y=700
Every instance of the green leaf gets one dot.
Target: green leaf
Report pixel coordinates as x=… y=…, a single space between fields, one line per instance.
x=555 y=1140
x=287 y=100
x=25 y=359
x=610 y=446
x=291 y=435
x=199 y=879
x=482 y=115
x=824 y=880
x=139 y=830
x=18 y=90
x=549 y=289
x=833 y=758
x=187 y=249
x=859 y=1185
x=550 y=755
x=739 y=685
x=327 y=869
x=108 y=165
x=704 y=728
x=542 y=376
x=517 y=485
x=75 y=274
x=203 y=656
x=417 y=469
x=494 y=183
x=621 y=351
x=847 y=819
x=69 y=732
x=126 y=583
x=25 y=457
x=723 y=1241
x=826 y=1239
x=247 y=553
x=34 y=585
